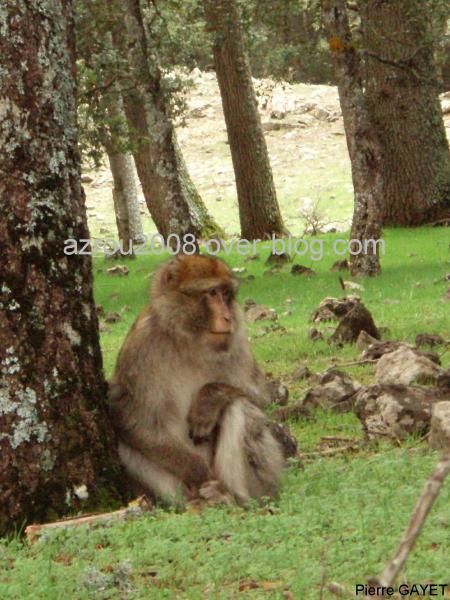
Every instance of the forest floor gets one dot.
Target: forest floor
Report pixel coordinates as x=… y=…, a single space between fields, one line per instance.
x=307 y=148
x=337 y=518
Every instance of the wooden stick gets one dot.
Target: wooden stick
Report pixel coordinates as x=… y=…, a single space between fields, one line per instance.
x=329 y=451
x=135 y=508
x=423 y=506
x=354 y=363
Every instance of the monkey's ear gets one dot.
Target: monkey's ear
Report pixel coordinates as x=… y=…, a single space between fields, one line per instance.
x=166 y=277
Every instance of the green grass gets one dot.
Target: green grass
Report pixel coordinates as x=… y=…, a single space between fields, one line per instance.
x=336 y=519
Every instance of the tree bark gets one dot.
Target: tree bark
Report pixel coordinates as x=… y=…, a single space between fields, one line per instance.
x=259 y=212
x=125 y=195
x=171 y=196
x=55 y=435
x=362 y=142
x=402 y=87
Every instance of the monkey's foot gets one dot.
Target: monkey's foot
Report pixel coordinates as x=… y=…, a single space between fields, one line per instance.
x=215 y=493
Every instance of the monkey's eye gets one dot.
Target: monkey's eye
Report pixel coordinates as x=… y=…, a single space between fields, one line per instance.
x=212 y=292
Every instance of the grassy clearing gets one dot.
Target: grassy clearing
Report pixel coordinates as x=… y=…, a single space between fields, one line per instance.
x=336 y=518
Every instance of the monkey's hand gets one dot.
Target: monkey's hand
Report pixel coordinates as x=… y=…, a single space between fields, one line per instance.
x=215 y=493
x=196 y=472
x=207 y=408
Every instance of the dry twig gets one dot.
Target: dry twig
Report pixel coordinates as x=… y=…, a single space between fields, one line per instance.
x=423 y=506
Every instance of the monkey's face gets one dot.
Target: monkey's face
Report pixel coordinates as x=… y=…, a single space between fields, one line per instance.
x=220 y=325
x=195 y=298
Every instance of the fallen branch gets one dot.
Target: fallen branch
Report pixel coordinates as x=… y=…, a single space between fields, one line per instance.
x=329 y=451
x=423 y=506
x=355 y=363
x=134 y=509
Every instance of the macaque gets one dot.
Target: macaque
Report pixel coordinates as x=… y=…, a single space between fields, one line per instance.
x=186 y=394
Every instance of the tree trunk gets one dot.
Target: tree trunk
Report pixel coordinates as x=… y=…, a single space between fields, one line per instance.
x=259 y=212
x=402 y=87
x=362 y=142
x=170 y=194
x=125 y=195
x=55 y=435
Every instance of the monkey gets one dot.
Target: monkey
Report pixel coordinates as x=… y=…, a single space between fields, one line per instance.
x=186 y=395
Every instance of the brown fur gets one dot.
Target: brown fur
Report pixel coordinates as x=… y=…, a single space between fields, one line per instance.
x=179 y=429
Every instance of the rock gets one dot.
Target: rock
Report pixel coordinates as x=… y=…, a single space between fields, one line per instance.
x=252 y=257
x=278 y=259
x=440 y=426
x=351 y=285
x=394 y=410
x=285 y=438
x=321 y=114
x=103 y=327
x=301 y=270
x=86 y=179
x=378 y=349
x=332 y=309
x=294 y=412
x=429 y=339
x=112 y=317
x=443 y=380
x=120 y=270
x=302 y=373
x=356 y=320
x=315 y=335
x=340 y=265
x=334 y=392
x=364 y=341
x=404 y=366
x=260 y=313
x=278 y=392
x=248 y=303
x=99 y=310
x=270 y=126
x=278 y=114
x=239 y=270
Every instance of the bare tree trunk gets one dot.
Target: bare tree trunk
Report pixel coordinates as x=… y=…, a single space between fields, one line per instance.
x=258 y=206
x=362 y=142
x=125 y=195
x=402 y=87
x=171 y=197
x=120 y=169
x=55 y=435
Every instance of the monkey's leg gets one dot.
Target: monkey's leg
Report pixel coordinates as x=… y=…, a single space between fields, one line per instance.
x=230 y=461
x=153 y=478
x=248 y=459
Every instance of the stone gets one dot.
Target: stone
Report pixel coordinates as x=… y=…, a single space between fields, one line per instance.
x=302 y=373
x=364 y=341
x=278 y=259
x=285 y=438
x=301 y=270
x=336 y=391
x=440 y=426
x=315 y=335
x=395 y=411
x=120 y=270
x=332 y=309
x=429 y=339
x=278 y=392
x=260 y=313
x=112 y=317
x=350 y=326
x=405 y=366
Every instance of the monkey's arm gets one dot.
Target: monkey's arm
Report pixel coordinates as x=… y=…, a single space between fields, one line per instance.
x=207 y=408
x=170 y=454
